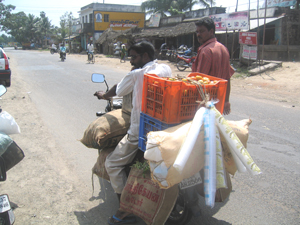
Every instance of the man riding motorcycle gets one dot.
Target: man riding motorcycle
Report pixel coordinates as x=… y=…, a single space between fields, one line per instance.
x=90 y=50
x=63 y=51
x=142 y=59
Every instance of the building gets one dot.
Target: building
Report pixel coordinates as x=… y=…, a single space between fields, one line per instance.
x=95 y=18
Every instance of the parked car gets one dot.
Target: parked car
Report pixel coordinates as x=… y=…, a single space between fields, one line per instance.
x=5 y=71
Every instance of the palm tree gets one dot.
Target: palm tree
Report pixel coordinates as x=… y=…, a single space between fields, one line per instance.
x=184 y=5
x=157 y=6
x=44 y=26
x=31 y=27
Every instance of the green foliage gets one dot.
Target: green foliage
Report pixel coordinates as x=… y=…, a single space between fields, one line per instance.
x=144 y=166
x=174 y=7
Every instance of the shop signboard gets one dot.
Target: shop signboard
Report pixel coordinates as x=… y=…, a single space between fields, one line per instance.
x=118 y=20
x=248 y=38
x=231 y=21
x=249 y=52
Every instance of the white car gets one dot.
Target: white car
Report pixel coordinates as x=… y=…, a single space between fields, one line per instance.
x=5 y=72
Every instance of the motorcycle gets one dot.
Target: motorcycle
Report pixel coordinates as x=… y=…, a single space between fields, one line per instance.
x=91 y=58
x=63 y=55
x=184 y=62
x=54 y=50
x=112 y=103
x=186 y=205
x=10 y=155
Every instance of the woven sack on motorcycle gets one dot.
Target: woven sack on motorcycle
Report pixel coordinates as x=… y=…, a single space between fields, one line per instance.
x=107 y=130
x=241 y=130
x=99 y=167
x=170 y=141
x=144 y=198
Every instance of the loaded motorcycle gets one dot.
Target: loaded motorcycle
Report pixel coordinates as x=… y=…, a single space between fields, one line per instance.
x=190 y=189
x=10 y=155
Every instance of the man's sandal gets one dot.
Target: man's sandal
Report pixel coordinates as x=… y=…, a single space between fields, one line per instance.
x=126 y=220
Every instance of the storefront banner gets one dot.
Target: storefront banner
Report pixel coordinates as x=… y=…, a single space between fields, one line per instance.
x=231 y=21
x=154 y=20
x=281 y=3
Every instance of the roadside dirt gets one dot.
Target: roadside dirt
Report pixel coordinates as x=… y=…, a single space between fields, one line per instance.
x=44 y=190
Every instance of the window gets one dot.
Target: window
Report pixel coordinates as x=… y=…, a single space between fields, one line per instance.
x=91 y=18
x=82 y=19
x=86 y=19
x=106 y=17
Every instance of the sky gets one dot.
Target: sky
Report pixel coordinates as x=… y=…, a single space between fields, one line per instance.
x=54 y=9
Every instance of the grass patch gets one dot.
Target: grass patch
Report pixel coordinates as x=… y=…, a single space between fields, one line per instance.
x=241 y=70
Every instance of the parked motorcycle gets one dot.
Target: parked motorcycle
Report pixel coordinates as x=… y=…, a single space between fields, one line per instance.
x=54 y=50
x=10 y=155
x=184 y=62
x=190 y=189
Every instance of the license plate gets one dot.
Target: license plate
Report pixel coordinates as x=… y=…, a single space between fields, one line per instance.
x=191 y=181
x=4 y=204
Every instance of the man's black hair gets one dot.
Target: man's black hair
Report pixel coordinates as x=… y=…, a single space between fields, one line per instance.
x=207 y=22
x=142 y=47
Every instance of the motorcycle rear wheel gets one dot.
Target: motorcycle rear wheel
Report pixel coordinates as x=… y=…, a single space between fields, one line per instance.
x=181 y=65
x=180 y=214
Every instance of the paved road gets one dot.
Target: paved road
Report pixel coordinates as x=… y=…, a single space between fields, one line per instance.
x=62 y=91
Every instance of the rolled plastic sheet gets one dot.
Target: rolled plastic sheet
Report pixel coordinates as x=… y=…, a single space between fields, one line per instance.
x=188 y=144
x=235 y=145
x=210 y=157
x=221 y=177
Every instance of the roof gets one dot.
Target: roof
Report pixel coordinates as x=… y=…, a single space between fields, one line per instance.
x=253 y=22
x=172 y=31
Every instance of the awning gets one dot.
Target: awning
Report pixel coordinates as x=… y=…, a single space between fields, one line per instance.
x=253 y=23
x=71 y=37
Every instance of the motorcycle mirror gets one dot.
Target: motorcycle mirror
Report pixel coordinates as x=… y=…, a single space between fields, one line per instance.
x=2 y=90
x=2 y=169
x=98 y=78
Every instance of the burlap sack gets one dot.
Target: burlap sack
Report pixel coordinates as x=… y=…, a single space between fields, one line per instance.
x=107 y=130
x=241 y=130
x=142 y=197
x=170 y=145
x=99 y=167
x=169 y=149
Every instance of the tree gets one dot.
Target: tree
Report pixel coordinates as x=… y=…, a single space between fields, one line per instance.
x=15 y=25
x=174 y=7
x=157 y=6
x=5 y=11
x=44 y=26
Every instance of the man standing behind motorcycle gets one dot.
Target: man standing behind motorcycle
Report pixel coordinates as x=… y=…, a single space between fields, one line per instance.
x=212 y=57
x=142 y=59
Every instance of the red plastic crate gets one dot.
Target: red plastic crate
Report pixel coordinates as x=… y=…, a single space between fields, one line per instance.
x=175 y=101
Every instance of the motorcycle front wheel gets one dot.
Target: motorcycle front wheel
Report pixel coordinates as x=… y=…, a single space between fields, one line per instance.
x=180 y=214
x=52 y=51
x=181 y=65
